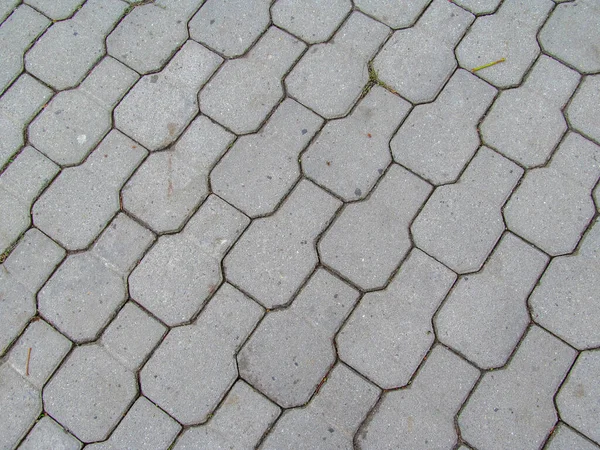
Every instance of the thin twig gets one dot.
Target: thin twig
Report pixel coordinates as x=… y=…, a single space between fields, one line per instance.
x=27 y=363
x=485 y=66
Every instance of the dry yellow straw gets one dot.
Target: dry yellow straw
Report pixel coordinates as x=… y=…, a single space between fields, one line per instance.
x=485 y=66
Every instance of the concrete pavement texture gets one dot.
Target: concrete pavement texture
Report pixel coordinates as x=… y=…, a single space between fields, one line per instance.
x=300 y=224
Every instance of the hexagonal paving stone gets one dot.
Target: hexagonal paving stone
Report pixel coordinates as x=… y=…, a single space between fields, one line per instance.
x=564 y=438
x=56 y=10
x=583 y=112
x=400 y=14
x=479 y=6
x=47 y=434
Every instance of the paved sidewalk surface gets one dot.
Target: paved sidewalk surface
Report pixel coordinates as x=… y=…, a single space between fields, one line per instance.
x=300 y=224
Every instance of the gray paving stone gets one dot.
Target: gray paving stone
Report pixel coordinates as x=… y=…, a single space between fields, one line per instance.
x=230 y=26
x=160 y=106
x=148 y=36
x=49 y=435
x=461 y=223
x=565 y=302
x=24 y=403
x=526 y=123
x=20 y=184
x=313 y=21
x=438 y=139
x=552 y=207
x=169 y=185
x=292 y=349
x=18 y=105
x=564 y=438
x=17 y=33
x=332 y=417
x=194 y=367
x=583 y=112
x=422 y=416
x=56 y=10
x=350 y=154
x=575 y=45
x=486 y=314
x=401 y=14
x=75 y=121
x=238 y=424
x=90 y=393
x=48 y=349
x=24 y=271
x=182 y=271
x=274 y=257
x=132 y=335
x=87 y=289
x=144 y=427
x=417 y=62
x=6 y=8
x=75 y=44
x=390 y=332
x=247 y=89
x=330 y=78
x=510 y=34
x=369 y=239
x=577 y=400
x=260 y=169
x=479 y=6
x=512 y=407
x=83 y=199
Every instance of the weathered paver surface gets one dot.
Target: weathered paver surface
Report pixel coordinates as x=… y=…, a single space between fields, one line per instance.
x=300 y=224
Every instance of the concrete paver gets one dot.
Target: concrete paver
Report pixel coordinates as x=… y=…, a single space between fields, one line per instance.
x=299 y=224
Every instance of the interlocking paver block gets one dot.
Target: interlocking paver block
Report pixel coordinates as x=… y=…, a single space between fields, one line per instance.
x=148 y=36
x=260 y=169
x=274 y=257
x=56 y=10
x=400 y=14
x=7 y=7
x=438 y=139
x=330 y=77
x=21 y=404
x=132 y=335
x=584 y=112
x=479 y=6
x=390 y=332
x=49 y=435
x=144 y=427
x=553 y=206
x=75 y=121
x=230 y=26
x=22 y=274
x=577 y=400
x=572 y=35
x=18 y=105
x=181 y=271
x=247 y=89
x=75 y=44
x=512 y=407
x=87 y=289
x=331 y=418
x=417 y=62
x=486 y=314
x=461 y=223
x=292 y=349
x=369 y=239
x=313 y=21
x=20 y=184
x=90 y=393
x=17 y=33
x=194 y=367
x=238 y=424
x=350 y=154
x=169 y=185
x=526 y=123
x=422 y=416
x=83 y=199
x=564 y=438
x=160 y=106
x=566 y=301
x=43 y=347
x=509 y=34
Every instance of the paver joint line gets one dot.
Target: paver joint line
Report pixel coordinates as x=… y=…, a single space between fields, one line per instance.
x=299 y=224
